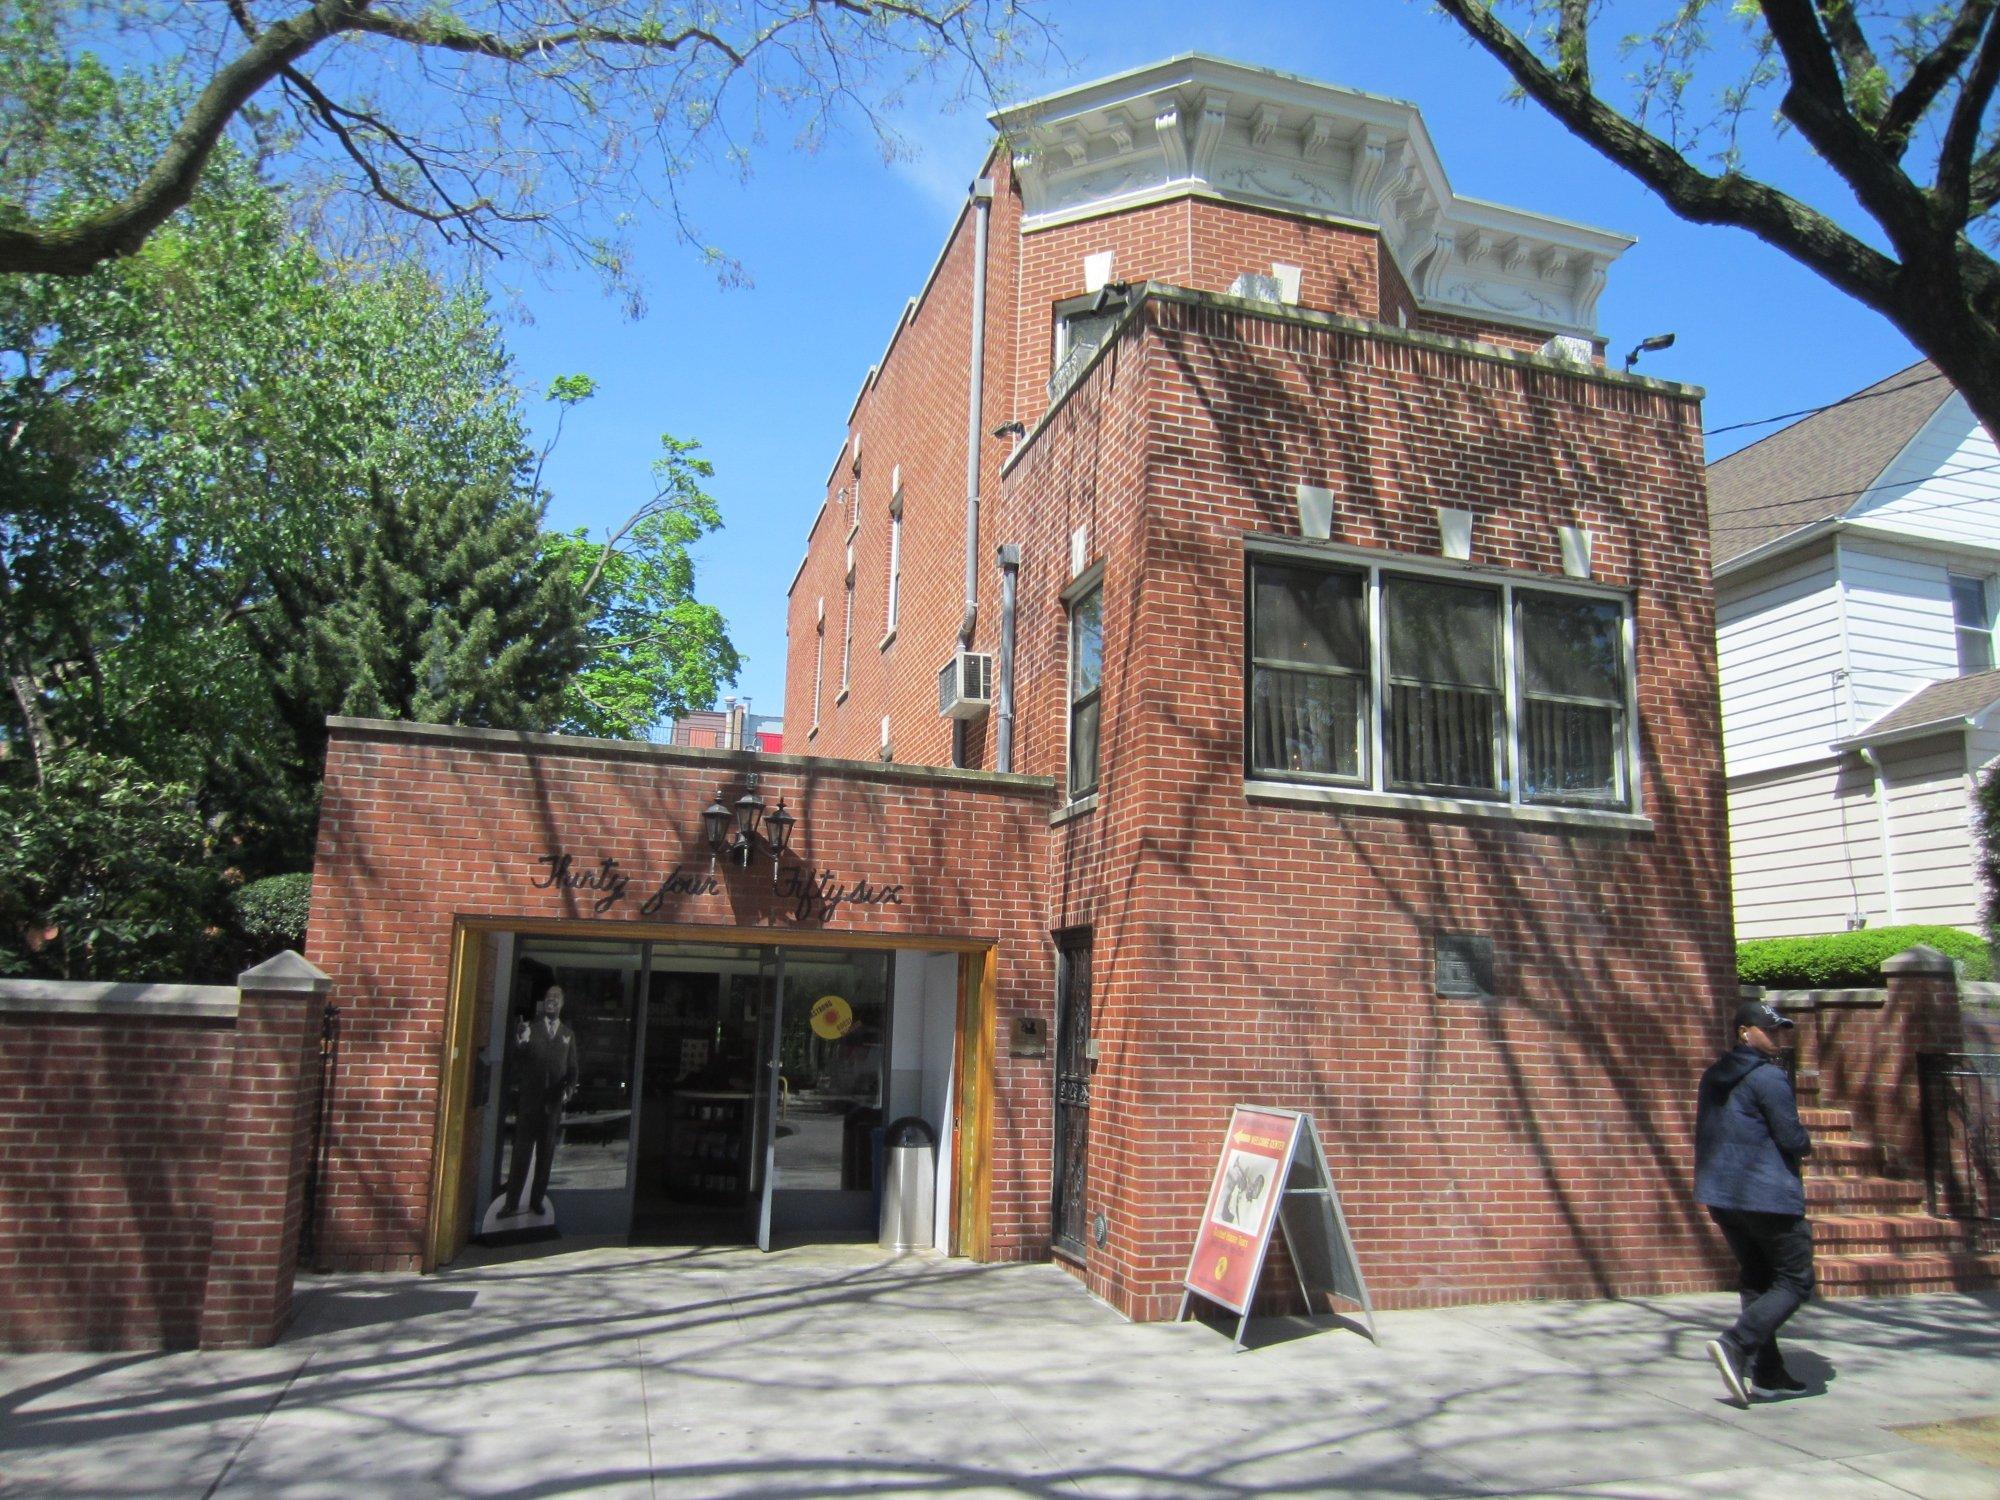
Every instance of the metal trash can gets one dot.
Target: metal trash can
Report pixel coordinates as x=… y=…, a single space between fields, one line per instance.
x=909 y=1185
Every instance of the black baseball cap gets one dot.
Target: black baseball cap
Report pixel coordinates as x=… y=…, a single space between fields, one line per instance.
x=1757 y=1013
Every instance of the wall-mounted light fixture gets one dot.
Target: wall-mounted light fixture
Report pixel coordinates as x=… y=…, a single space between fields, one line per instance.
x=736 y=831
x=1651 y=345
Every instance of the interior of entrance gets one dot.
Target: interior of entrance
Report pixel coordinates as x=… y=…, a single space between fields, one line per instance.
x=723 y=1094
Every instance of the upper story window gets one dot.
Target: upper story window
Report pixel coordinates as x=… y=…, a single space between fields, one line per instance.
x=1394 y=681
x=895 y=594
x=1080 y=327
x=1973 y=617
x=1086 y=673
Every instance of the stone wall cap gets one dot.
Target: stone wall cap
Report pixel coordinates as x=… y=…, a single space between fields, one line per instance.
x=1921 y=959
x=288 y=973
x=95 y=997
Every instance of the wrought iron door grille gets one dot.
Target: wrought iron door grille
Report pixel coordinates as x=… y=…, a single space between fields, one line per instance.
x=1072 y=1111
x=1961 y=1119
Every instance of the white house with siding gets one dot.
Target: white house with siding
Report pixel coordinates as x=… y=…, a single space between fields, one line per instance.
x=1857 y=571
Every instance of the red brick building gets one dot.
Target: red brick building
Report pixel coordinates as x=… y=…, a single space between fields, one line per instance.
x=1326 y=641
x=1264 y=364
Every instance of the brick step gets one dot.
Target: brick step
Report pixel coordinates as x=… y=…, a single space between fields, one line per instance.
x=1844 y=1158
x=1826 y=1120
x=1805 y=1088
x=1862 y=1193
x=1897 y=1275
x=1883 y=1234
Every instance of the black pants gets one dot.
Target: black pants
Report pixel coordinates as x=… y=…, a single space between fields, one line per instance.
x=537 y=1124
x=1774 y=1254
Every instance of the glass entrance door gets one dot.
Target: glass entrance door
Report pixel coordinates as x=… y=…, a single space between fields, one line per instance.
x=829 y=1046
x=568 y=1084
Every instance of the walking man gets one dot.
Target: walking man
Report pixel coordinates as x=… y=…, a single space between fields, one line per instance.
x=1748 y=1148
x=545 y=1064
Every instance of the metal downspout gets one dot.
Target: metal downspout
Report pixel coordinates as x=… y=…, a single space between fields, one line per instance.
x=1010 y=568
x=982 y=207
x=1881 y=775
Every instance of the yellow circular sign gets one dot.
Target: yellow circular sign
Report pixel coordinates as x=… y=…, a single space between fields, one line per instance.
x=832 y=1017
x=1221 y=1267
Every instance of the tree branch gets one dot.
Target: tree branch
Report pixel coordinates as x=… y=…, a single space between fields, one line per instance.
x=1857 y=58
x=73 y=249
x=1953 y=190
x=1774 y=217
x=1930 y=74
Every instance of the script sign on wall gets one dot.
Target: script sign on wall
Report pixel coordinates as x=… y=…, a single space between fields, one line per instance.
x=1272 y=1176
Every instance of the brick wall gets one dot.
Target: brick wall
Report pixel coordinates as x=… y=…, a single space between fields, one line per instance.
x=1281 y=954
x=153 y=1147
x=420 y=827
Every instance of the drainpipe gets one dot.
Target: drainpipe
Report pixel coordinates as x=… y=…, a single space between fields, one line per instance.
x=1882 y=826
x=1010 y=568
x=982 y=207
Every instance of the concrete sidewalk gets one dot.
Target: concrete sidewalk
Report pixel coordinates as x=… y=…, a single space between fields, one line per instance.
x=837 y=1370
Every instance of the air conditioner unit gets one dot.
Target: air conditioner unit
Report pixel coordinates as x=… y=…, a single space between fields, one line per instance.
x=965 y=685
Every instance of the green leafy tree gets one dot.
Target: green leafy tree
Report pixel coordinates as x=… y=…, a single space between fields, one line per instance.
x=653 y=651
x=104 y=873
x=1896 y=98
x=485 y=121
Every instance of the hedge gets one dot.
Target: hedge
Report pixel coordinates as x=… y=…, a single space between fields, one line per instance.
x=275 y=908
x=1850 y=960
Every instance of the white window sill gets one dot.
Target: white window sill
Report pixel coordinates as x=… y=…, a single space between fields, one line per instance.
x=887 y=640
x=1409 y=802
x=840 y=697
x=853 y=531
x=1076 y=809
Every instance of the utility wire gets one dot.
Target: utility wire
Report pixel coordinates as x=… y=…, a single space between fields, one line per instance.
x=1813 y=411
x=1901 y=484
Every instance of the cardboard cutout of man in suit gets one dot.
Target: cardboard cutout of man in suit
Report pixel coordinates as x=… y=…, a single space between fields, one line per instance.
x=545 y=1065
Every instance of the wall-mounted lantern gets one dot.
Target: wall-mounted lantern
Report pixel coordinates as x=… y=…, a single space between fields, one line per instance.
x=737 y=830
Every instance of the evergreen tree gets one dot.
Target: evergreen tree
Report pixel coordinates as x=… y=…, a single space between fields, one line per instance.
x=437 y=603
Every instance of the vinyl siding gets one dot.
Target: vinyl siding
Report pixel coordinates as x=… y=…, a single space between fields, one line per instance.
x=1928 y=492
x=1930 y=830
x=1827 y=808
x=1778 y=648
x=1899 y=627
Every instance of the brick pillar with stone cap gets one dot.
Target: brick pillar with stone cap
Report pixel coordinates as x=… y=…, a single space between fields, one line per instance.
x=1920 y=1014
x=263 y=1153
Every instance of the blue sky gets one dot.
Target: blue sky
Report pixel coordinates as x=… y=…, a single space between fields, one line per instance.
x=835 y=241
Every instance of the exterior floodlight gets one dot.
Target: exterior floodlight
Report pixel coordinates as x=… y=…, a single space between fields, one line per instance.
x=1652 y=345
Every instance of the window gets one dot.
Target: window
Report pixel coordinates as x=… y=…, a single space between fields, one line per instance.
x=895 y=564
x=1079 y=328
x=847 y=627
x=1974 y=622
x=1431 y=685
x=1086 y=670
x=819 y=662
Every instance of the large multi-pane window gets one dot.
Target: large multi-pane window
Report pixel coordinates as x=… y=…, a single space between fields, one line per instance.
x=1974 y=623
x=1405 y=682
x=1086 y=672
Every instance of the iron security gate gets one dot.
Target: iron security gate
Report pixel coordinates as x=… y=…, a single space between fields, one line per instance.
x=1072 y=1121
x=1961 y=1116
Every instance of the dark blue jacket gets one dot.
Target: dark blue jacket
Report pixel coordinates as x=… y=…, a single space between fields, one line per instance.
x=1748 y=1141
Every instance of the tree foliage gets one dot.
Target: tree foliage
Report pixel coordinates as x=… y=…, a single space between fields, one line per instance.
x=654 y=651
x=248 y=486
x=481 y=118
x=1896 y=97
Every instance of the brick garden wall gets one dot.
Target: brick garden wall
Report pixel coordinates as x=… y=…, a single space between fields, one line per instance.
x=154 y=1143
x=108 y=1139
x=421 y=826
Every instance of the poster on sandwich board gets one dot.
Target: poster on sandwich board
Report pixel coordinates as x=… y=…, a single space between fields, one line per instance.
x=1272 y=1176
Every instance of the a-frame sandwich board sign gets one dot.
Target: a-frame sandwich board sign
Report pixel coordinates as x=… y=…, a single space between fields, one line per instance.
x=1272 y=1174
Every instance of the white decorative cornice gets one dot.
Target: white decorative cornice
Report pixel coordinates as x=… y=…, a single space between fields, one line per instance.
x=1272 y=140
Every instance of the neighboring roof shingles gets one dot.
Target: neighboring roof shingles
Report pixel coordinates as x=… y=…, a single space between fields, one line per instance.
x=1942 y=703
x=1809 y=471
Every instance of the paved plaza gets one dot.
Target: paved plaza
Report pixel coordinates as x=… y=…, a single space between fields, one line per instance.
x=837 y=1370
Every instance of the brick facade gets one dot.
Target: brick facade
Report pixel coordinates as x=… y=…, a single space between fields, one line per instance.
x=1257 y=949
x=421 y=828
